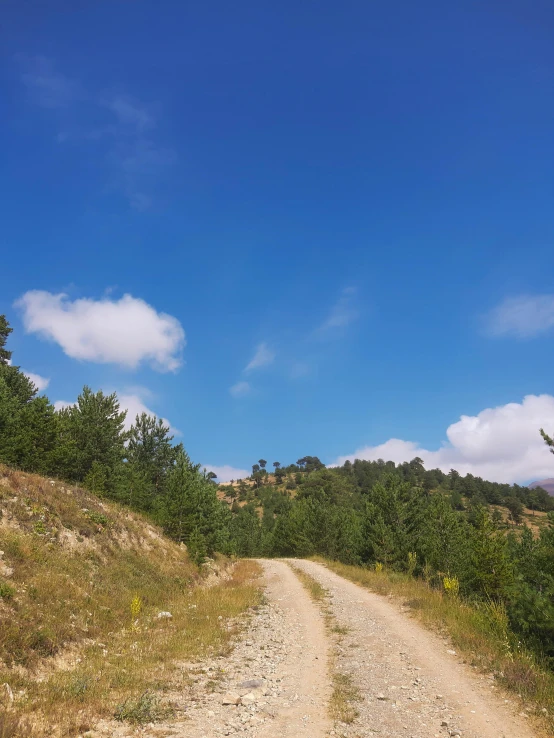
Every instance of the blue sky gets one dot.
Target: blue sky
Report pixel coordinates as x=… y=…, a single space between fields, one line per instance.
x=289 y=228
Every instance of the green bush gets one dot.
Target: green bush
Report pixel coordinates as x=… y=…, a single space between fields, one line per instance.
x=140 y=710
x=6 y=590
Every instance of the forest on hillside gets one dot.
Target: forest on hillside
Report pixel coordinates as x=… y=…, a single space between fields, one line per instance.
x=425 y=523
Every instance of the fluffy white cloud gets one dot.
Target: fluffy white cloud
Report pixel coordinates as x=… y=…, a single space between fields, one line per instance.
x=500 y=444
x=523 y=317
x=127 y=331
x=134 y=403
x=263 y=357
x=240 y=389
x=226 y=473
x=41 y=383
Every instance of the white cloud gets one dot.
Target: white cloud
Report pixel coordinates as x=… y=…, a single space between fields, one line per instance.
x=499 y=444
x=226 y=473
x=137 y=165
x=240 y=389
x=300 y=370
x=523 y=317
x=342 y=313
x=127 y=331
x=133 y=402
x=62 y=404
x=123 y=129
x=130 y=112
x=263 y=357
x=41 y=383
x=47 y=87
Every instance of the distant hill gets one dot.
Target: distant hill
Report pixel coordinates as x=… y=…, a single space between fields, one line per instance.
x=546 y=484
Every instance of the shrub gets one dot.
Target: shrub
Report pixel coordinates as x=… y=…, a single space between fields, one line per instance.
x=141 y=710
x=97 y=518
x=6 y=593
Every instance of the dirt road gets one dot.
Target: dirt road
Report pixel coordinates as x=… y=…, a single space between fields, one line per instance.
x=412 y=685
x=277 y=681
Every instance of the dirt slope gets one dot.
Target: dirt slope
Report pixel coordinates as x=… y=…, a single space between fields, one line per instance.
x=85 y=591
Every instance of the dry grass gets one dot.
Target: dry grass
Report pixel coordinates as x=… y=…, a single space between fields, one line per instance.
x=316 y=591
x=77 y=562
x=536 y=520
x=12 y=725
x=481 y=634
x=79 y=636
x=345 y=694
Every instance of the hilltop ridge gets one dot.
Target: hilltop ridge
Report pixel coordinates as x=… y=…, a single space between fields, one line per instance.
x=546 y=484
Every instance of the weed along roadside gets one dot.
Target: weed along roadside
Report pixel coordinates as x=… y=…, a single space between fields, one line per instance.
x=100 y=613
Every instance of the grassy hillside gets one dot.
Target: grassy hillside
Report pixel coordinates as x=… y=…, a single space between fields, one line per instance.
x=82 y=583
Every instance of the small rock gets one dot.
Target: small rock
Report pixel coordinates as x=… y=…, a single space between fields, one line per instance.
x=231 y=698
x=9 y=692
x=164 y=614
x=252 y=684
x=381 y=696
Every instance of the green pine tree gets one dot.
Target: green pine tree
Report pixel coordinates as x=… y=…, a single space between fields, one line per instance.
x=5 y=331
x=91 y=433
x=150 y=458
